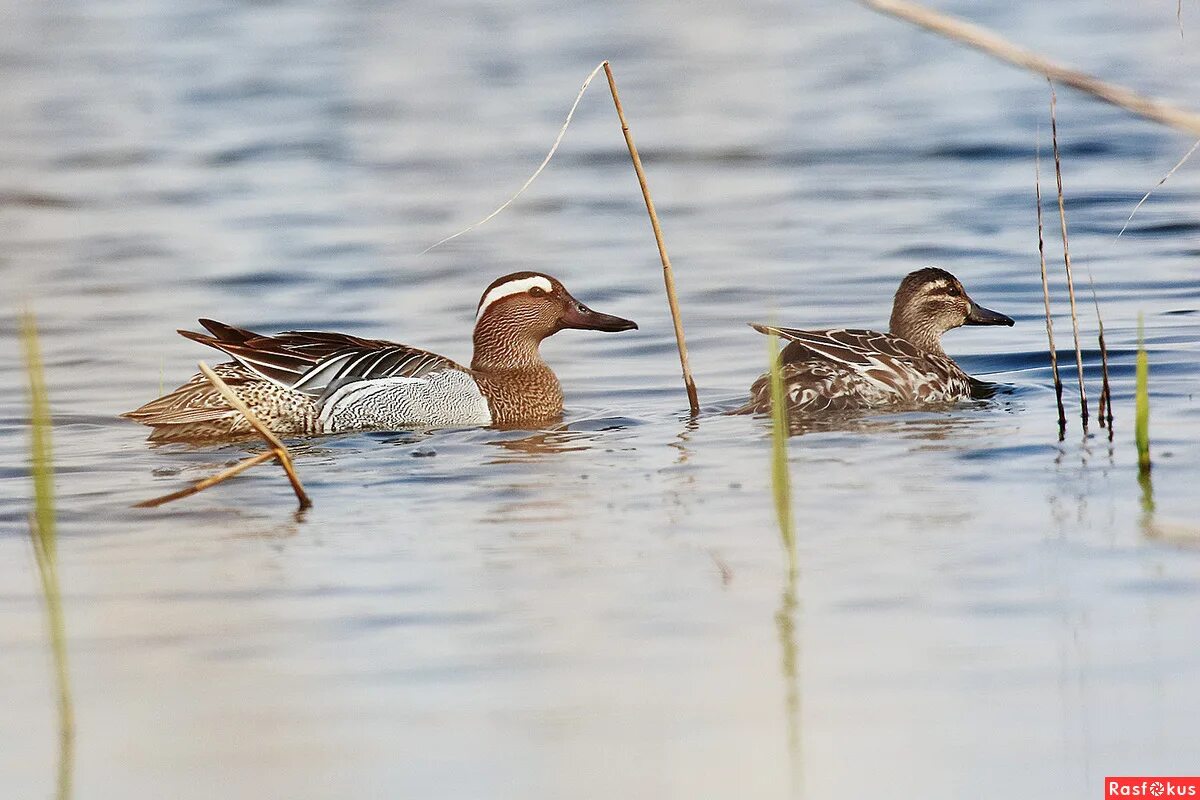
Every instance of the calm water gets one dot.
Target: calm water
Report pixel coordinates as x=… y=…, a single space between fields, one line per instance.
x=594 y=612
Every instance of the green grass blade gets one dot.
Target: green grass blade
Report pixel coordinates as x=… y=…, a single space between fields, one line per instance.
x=781 y=484
x=1141 y=426
x=41 y=454
x=785 y=618
x=44 y=536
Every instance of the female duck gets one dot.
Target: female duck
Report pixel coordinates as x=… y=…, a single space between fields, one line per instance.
x=307 y=382
x=848 y=370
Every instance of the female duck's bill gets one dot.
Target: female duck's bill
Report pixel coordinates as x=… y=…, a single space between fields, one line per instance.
x=307 y=382
x=844 y=370
x=978 y=315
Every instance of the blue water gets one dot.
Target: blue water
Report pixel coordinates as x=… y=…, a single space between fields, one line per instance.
x=981 y=611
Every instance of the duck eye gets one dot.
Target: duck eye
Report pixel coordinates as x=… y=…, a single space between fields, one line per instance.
x=537 y=291
x=953 y=291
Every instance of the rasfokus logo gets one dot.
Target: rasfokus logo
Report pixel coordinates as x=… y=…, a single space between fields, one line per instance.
x=1157 y=786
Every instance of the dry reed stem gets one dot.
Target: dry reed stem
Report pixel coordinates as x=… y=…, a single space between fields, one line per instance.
x=668 y=276
x=996 y=46
x=1104 y=409
x=213 y=480
x=278 y=451
x=1062 y=218
x=281 y=451
x=1058 y=386
x=236 y=403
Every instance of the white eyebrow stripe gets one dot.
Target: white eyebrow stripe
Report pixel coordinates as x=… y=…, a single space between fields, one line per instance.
x=510 y=288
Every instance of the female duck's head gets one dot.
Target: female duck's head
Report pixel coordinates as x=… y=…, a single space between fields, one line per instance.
x=519 y=310
x=930 y=302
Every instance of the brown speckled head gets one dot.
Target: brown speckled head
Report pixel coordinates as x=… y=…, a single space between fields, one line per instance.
x=930 y=302
x=518 y=311
x=515 y=313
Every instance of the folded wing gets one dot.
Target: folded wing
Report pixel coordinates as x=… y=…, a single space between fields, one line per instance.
x=849 y=346
x=319 y=363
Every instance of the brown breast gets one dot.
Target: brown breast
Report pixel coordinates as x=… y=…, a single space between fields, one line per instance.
x=526 y=394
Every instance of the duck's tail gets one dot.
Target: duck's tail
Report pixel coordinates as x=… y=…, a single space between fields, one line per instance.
x=195 y=409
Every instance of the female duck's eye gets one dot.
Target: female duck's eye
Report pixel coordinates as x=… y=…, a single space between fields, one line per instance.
x=953 y=291
x=537 y=291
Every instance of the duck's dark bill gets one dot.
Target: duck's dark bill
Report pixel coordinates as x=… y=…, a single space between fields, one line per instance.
x=978 y=315
x=582 y=317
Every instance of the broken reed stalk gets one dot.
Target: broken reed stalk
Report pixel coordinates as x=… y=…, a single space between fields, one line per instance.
x=1107 y=388
x=1058 y=387
x=43 y=534
x=998 y=47
x=213 y=480
x=1104 y=413
x=781 y=483
x=1141 y=426
x=278 y=451
x=1062 y=218
x=668 y=276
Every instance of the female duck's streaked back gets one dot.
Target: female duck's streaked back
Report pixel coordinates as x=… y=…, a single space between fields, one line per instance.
x=848 y=370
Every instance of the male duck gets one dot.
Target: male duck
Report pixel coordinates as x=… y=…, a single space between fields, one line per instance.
x=848 y=370
x=308 y=382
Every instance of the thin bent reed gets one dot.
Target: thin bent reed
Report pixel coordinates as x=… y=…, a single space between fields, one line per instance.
x=1146 y=196
x=553 y=149
x=1058 y=386
x=1062 y=218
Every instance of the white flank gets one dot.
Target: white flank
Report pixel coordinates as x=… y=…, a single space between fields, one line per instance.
x=331 y=405
x=510 y=288
x=440 y=399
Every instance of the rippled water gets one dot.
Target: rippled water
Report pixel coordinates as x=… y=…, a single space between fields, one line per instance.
x=598 y=611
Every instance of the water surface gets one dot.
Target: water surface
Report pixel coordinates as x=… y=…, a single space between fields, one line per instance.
x=595 y=611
